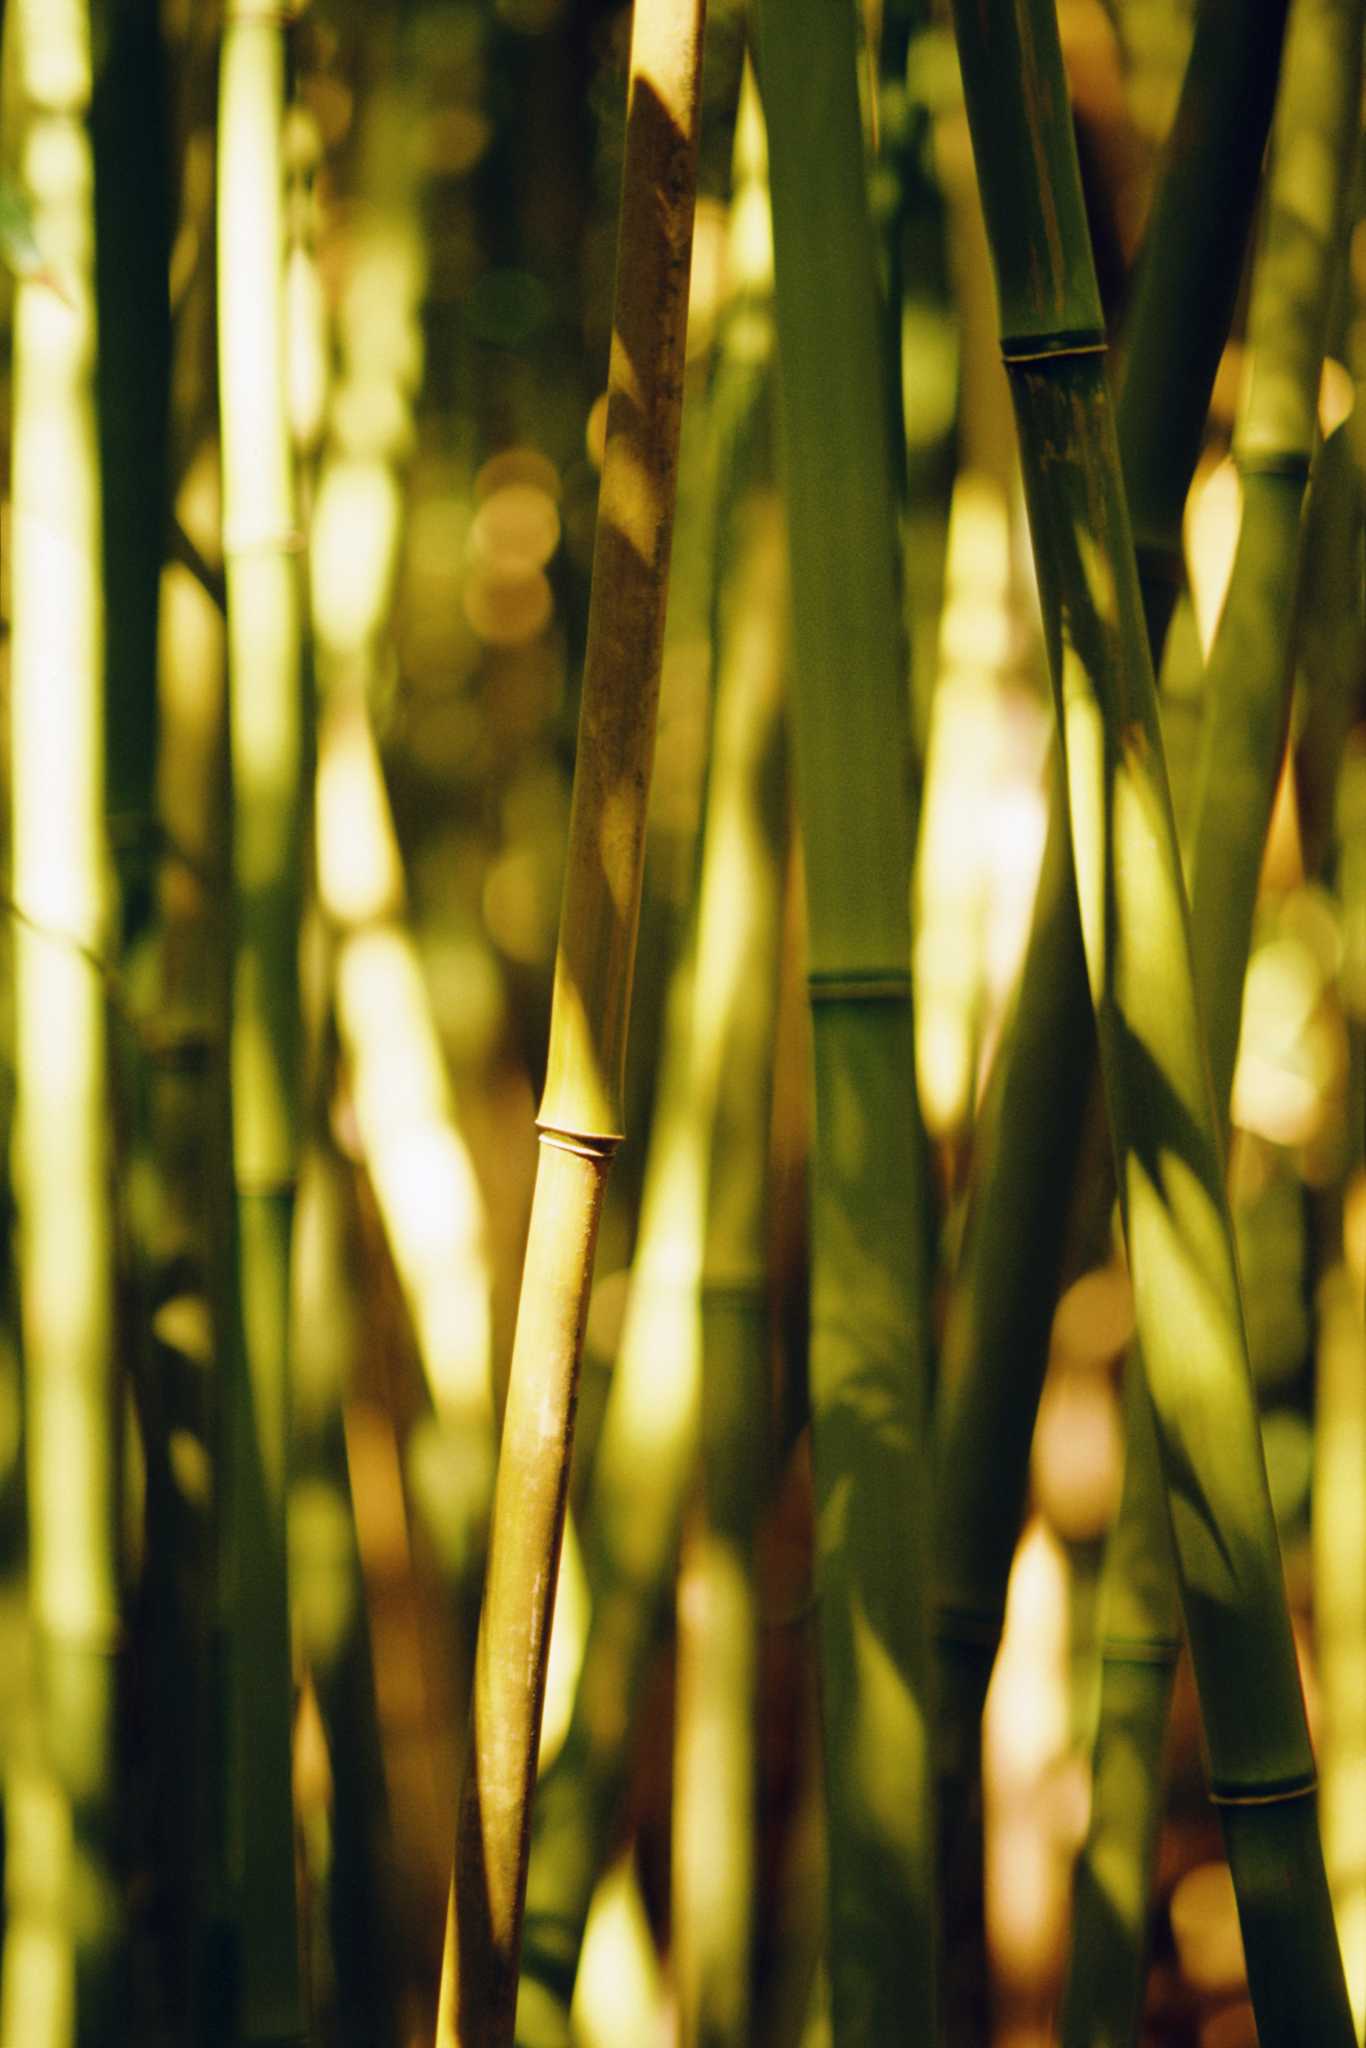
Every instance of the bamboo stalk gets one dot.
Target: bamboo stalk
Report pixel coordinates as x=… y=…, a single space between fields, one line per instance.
x=63 y=1974
x=1135 y=930
x=1188 y=279
x=647 y=1447
x=1003 y=1294
x=266 y=724
x=870 y=1211
x=580 y=1115
x=734 y=1006
x=1248 y=685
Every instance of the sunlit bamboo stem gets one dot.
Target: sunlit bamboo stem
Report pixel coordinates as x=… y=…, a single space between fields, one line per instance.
x=581 y=1114
x=1248 y=681
x=267 y=754
x=1001 y=1305
x=734 y=1000
x=63 y=1933
x=648 y=1444
x=870 y=1338
x=1162 y=1113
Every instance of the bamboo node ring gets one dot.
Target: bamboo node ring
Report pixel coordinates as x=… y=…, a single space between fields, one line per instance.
x=1291 y=463
x=1066 y=343
x=56 y=935
x=587 y=1144
x=1301 y=1787
x=1160 y=1650
x=879 y=985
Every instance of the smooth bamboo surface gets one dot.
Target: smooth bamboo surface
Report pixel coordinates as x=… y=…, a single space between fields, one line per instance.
x=1248 y=684
x=870 y=1360
x=581 y=1111
x=1135 y=930
x=63 y=1985
x=718 y=1028
x=1004 y=1291
x=266 y=723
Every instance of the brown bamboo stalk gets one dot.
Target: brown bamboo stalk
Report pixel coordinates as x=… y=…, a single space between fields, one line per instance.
x=581 y=1112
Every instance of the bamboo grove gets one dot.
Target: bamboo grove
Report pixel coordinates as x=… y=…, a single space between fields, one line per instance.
x=683 y=1024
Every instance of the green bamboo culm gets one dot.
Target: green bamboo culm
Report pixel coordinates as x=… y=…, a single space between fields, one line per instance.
x=1188 y=279
x=132 y=261
x=1001 y=1303
x=1135 y=930
x=870 y=1338
x=266 y=742
x=64 y=1981
x=581 y=1111
x=1248 y=686
x=735 y=995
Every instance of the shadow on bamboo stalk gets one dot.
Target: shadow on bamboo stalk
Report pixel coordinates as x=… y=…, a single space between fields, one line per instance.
x=266 y=717
x=734 y=1003
x=718 y=1024
x=580 y=1116
x=871 y=1222
x=1003 y=1294
x=1163 y=1119
x=1248 y=683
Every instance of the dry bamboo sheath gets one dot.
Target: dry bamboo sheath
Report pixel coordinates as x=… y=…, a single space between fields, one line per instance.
x=581 y=1112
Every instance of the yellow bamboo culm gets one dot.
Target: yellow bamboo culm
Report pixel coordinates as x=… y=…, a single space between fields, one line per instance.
x=581 y=1112
x=62 y=1913
x=266 y=724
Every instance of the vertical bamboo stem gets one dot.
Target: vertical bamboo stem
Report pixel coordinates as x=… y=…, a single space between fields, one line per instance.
x=1136 y=935
x=63 y=1938
x=266 y=739
x=870 y=1211
x=1248 y=685
x=581 y=1113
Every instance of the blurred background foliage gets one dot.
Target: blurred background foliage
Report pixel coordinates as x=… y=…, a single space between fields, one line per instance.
x=452 y=179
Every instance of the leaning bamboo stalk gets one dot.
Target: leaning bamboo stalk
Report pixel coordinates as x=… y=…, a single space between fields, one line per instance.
x=1188 y=279
x=1248 y=686
x=266 y=725
x=1004 y=1291
x=870 y=1212
x=1135 y=929
x=63 y=1934
x=581 y=1110
x=647 y=1447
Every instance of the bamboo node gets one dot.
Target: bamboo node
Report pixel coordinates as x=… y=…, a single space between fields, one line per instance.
x=1063 y=345
x=56 y=935
x=1303 y=1786
x=877 y=985
x=587 y=1144
x=1291 y=463
x=1157 y=1650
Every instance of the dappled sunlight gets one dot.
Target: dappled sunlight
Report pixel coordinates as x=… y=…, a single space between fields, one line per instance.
x=568 y=1634
x=1088 y=799
x=1204 y=1922
x=1339 y=1538
x=423 y=1177
x=353 y=551
x=359 y=874
x=1031 y=1823
x=981 y=823
x=886 y=1734
x=619 y=1995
